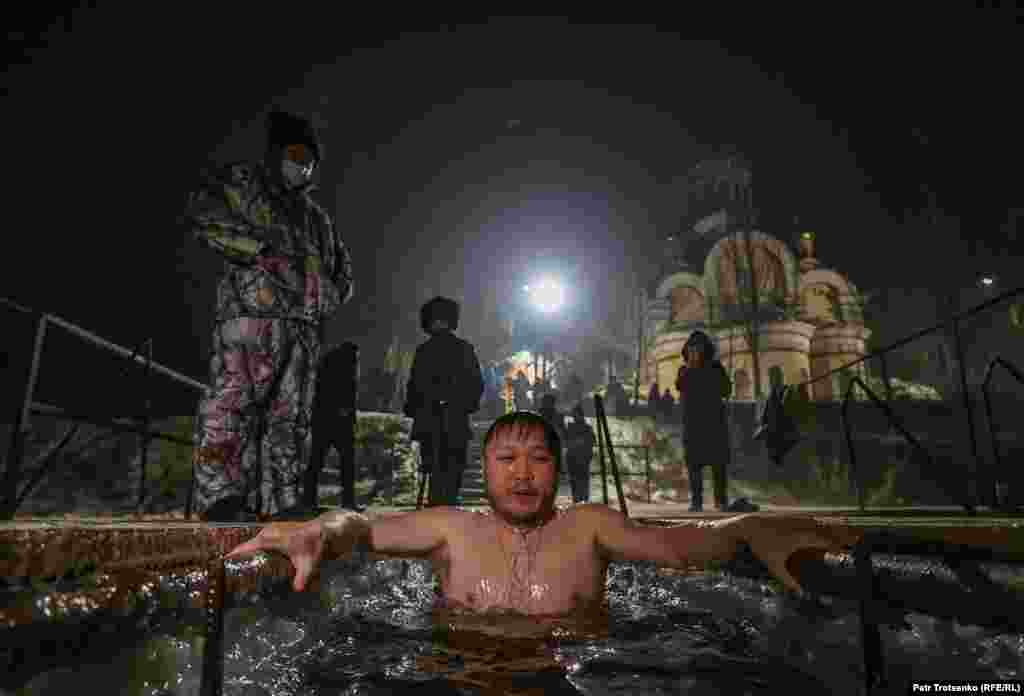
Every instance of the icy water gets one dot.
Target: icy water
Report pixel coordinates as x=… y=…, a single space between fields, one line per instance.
x=371 y=629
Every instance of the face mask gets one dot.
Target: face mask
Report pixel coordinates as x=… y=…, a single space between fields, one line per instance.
x=295 y=175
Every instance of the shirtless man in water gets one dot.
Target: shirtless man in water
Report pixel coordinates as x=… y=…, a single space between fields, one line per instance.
x=527 y=556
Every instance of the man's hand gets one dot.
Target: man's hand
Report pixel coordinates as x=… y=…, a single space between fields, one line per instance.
x=301 y=542
x=774 y=538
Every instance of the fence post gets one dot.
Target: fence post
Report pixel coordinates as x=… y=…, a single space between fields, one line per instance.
x=972 y=468
x=212 y=676
x=647 y=468
x=885 y=377
x=145 y=439
x=600 y=453
x=870 y=636
x=16 y=450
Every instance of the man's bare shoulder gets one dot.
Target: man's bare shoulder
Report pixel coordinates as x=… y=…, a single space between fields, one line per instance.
x=592 y=511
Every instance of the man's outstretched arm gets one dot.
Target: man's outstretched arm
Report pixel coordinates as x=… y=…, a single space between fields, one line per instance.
x=621 y=539
x=772 y=538
x=336 y=534
x=408 y=535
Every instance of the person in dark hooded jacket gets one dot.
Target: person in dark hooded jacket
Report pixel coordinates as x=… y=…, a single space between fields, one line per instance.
x=445 y=386
x=334 y=422
x=580 y=441
x=703 y=386
x=285 y=271
x=654 y=400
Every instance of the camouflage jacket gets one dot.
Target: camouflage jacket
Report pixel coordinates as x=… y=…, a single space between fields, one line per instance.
x=283 y=258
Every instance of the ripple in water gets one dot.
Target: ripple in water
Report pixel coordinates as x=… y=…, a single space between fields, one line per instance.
x=371 y=629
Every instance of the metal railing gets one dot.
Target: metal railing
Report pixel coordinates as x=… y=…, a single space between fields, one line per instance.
x=893 y=420
x=604 y=439
x=874 y=599
x=647 y=466
x=28 y=406
x=954 y=322
x=996 y=456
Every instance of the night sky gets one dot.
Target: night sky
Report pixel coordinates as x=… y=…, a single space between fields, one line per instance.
x=461 y=157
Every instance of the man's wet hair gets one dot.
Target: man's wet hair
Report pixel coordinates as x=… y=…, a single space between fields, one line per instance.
x=526 y=422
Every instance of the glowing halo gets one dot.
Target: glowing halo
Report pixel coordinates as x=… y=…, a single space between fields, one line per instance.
x=548 y=295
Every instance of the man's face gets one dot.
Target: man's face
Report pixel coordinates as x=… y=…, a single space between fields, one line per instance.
x=297 y=166
x=694 y=356
x=520 y=474
x=300 y=155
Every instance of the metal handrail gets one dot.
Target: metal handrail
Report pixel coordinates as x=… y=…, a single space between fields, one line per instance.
x=996 y=456
x=647 y=465
x=29 y=406
x=893 y=421
x=919 y=334
x=125 y=353
x=954 y=322
x=602 y=423
x=887 y=541
x=125 y=425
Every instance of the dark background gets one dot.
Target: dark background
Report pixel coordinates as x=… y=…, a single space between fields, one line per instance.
x=461 y=157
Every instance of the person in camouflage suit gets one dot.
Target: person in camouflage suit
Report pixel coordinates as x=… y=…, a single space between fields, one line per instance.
x=286 y=270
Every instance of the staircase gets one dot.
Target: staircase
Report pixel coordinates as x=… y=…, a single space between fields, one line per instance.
x=472 y=492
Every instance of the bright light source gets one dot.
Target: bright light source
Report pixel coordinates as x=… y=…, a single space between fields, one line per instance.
x=988 y=281
x=547 y=296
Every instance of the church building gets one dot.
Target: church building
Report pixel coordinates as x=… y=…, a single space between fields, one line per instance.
x=730 y=280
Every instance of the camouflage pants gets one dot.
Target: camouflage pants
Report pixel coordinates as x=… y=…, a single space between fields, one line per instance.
x=253 y=434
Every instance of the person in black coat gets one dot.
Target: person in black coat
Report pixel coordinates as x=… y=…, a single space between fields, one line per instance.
x=704 y=386
x=574 y=390
x=667 y=404
x=654 y=400
x=616 y=398
x=550 y=412
x=520 y=387
x=334 y=422
x=445 y=386
x=580 y=445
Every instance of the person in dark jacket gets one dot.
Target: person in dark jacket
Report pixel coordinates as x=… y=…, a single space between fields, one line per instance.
x=703 y=386
x=574 y=390
x=445 y=386
x=616 y=400
x=550 y=412
x=334 y=421
x=654 y=400
x=668 y=404
x=520 y=387
x=580 y=438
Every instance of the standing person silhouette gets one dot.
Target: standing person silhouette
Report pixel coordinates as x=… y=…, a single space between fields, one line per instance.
x=703 y=386
x=445 y=386
x=654 y=400
x=581 y=441
x=334 y=422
